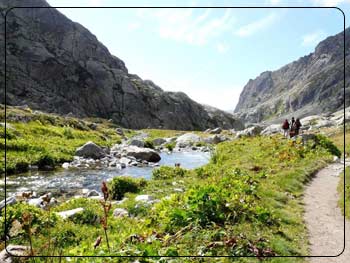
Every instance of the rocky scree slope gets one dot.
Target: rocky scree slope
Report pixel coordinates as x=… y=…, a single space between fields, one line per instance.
x=311 y=85
x=56 y=65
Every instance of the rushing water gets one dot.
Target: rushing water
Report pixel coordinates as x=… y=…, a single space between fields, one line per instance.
x=71 y=181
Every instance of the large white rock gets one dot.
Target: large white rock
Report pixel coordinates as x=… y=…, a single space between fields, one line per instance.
x=10 y=254
x=251 y=131
x=120 y=212
x=69 y=213
x=325 y=123
x=8 y=201
x=217 y=130
x=272 y=129
x=187 y=139
x=144 y=198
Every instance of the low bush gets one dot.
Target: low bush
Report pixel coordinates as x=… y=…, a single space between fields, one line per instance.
x=68 y=133
x=327 y=144
x=125 y=184
x=167 y=172
x=46 y=160
x=170 y=146
x=149 y=144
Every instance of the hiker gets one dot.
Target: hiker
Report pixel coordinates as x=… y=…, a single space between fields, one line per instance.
x=292 y=122
x=292 y=131
x=285 y=127
x=297 y=126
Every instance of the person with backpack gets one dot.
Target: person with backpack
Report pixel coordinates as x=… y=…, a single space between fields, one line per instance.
x=285 y=127
x=297 y=126
x=292 y=131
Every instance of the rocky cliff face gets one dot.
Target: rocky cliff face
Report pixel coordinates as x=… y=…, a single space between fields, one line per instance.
x=56 y=65
x=311 y=85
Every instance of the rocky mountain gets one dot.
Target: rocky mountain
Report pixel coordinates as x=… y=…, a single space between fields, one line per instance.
x=311 y=85
x=57 y=65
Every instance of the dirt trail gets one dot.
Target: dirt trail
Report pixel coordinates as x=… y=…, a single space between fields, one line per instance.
x=323 y=217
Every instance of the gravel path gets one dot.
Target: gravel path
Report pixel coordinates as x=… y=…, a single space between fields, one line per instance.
x=323 y=217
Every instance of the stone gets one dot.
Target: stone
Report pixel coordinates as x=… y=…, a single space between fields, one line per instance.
x=142 y=153
x=272 y=129
x=217 y=130
x=119 y=131
x=8 y=201
x=144 y=198
x=137 y=143
x=65 y=165
x=70 y=213
x=38 y=202
x=124 y=160
x=251 y=131
x=215 y=139
x=325 y=123
x=336 y=159
x=120 y=212
x=187 y=140
x=12 y=252
x=92 y=193
x=90 y=150
x=158 y=141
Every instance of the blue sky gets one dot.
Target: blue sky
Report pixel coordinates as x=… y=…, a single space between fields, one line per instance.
x=210 y=54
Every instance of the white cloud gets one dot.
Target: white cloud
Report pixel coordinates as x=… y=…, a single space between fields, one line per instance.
x=252 y=28
x=95 y=2
x=274 y=2
x=184 y=25
x=329 y=2
x=134 y=26
x=222 y=47
x=313 y=38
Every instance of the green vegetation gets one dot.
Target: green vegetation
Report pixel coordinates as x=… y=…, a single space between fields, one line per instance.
x=337 y=136
x=246 y=201
x=166 y=172
x=125 y=184
x=46 y=140
x=344 y=190
x=149 y=144
x=170 y=146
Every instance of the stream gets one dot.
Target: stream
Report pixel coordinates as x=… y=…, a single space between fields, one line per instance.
x=69 y=182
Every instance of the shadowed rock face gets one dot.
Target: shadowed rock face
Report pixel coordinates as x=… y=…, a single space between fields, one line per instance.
x=56 y=65
x=311 y=85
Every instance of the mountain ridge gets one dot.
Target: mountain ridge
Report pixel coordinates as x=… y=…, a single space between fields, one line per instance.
x=312 y=84
x=57 y=65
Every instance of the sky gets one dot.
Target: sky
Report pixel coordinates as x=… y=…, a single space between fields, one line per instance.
x=208 y=53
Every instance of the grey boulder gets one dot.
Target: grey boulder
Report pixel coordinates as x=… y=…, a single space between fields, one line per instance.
x=145 y=154
x=10 y=254
x=90 y=150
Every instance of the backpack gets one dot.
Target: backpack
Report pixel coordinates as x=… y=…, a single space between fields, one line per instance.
x=285 y=125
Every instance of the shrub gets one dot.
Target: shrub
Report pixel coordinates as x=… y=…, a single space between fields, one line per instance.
x=327 y=144
x=167 y=172
x=8 y=134
x=125 y=184
x=45 y=160
x=16 y=211
x=149 y=144
x=170 y=146
x=22 y=167
x=67 y=132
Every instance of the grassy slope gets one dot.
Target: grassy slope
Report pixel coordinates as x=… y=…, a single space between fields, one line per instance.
x=40 y=139
x=341 y=190
x=250 y=194
x=338 y=139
